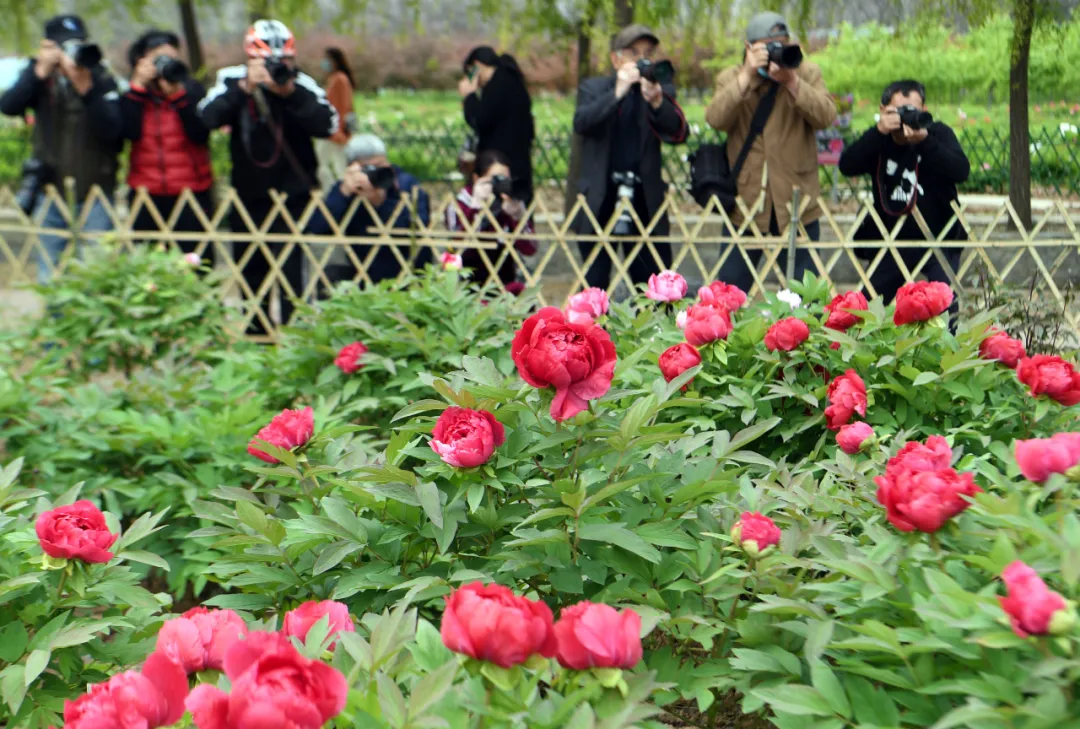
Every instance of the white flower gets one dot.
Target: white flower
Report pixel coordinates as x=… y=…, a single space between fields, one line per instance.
x=961 y=113
x=877 y=118
x=790 y=298
x=680 y=319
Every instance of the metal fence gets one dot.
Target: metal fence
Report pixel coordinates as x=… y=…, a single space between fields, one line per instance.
x=1044 y=259
x=430 y=153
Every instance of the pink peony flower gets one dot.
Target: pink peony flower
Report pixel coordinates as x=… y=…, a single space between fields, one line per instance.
x=288 y=429
x=199 y=639
x=851 y=437
x=348 y=360
x=587 y=306
x=666 y=286
x=1032 y=607
x=755 y=533
x=1040 y=457
x=298 y=622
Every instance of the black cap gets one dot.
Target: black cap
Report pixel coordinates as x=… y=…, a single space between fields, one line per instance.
x=63 y=28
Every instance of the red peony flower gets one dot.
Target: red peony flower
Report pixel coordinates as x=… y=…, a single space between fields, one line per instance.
x=920 y=491
x=839 y=310
x=666 y=286
x=678 y=359
x=298 y=622
x=289 y=429
x=348 y=359
x=722 y=295
x=847 y=396
x=1032 y=607
x=153 y=697
x=451 y=261
x=272 y=686
x=1003 y=348
x=598 y=636
x=755 y=533
x=466 y=438
x=515 y=288
x=851 y=437
x=786 y=334
x=1040 y=457
x=920 y=301
x=199 y=639
x=578 y=360
x=1052 y=376
x=706 y=324
x=76 y=531
x=590 y=304
x=490 y=623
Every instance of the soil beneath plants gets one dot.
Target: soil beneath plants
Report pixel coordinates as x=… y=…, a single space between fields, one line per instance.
x=728 y=716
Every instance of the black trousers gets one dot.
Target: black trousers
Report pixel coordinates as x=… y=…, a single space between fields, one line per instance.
x=888 y=278
x=187 y=222
x=643 y=265
x=258 y=268
x=735 y=271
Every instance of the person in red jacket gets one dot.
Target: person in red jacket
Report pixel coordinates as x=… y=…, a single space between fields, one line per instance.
x=169 y=142
x=470 y=213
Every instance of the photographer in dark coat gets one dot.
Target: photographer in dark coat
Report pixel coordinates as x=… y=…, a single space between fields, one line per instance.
x=623 y=119
x=498 y=107
x=912 y=161
x=77 y=129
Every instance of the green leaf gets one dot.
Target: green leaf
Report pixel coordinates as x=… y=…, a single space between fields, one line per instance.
x=482 y=371
x=503 y=678
x=432 y=688
x=13 y=641
x=619 y=536
x=144 y=557
x=924 y=378
x=818 y=635
x=241 y=602
x=332 y=556
x=391 y=702
x=142 y=527
x=795 y=699
x=666 y=534
x=870 y=705
x=428 y=494
x=343 y=516
x=35 y=664
x=251 y=516
x=825 y=681
x=974 y=711
x=10 y=472
x=420 y=406
x=13 y=686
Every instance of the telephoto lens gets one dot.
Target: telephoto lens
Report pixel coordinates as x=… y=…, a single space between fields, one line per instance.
x=660 y=72
x=85 y=55
x=382 y=178
x=913 y=118
x=785 y=56
x=170 y=69
x=280 y=72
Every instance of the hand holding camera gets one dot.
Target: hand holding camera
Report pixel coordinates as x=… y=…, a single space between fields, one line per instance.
x=272 y=74
x=48 y=59
x=627 y=76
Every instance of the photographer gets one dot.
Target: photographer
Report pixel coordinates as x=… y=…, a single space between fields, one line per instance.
x=77 y=131
x=623 y=118
x=490 y=194
x=274 y=112
x=773 y=82
x=370 y=176
x=169 y=142
x=913 y=161
x=498 y=107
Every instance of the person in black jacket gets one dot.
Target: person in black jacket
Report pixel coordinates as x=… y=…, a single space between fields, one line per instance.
x=77 y=131
x=273 y=119
x=910 y=166
x=498 y=107
x=623 y=119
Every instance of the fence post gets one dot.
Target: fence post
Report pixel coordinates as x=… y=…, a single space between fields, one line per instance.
x=793 y=232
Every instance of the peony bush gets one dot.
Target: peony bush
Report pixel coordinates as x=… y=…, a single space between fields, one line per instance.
x=811 y=509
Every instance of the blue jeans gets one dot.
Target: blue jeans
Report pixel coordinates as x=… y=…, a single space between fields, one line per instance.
x=96 y=221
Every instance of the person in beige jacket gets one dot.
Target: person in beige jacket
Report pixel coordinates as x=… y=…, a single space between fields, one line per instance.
x=784 y=156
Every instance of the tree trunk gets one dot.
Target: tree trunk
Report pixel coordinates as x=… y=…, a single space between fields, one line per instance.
x=260 y=9
x=624 y=13
x=584 y=63
x=1019 y=133
x=191 y=34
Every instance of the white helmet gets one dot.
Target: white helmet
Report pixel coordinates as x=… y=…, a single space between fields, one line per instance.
x=269 y=39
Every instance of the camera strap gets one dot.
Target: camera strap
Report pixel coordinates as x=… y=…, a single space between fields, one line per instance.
x=757 y=127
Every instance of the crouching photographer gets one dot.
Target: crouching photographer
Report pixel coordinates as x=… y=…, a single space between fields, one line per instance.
x=77 y=131
x=169 y=142
x=370 y=177
x=491 y=194
x=274 y=112
x=913 y=162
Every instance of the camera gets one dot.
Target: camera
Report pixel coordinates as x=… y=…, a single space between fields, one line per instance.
x=170 y=69
x=35 y=175
x=281 y=72
x=382 y=178
x=913 y=118
x=625 y=181
x=660 y=72
x=785 y=56
x=85 y=55
x=502 y=185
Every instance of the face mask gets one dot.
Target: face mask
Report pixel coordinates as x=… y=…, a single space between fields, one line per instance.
x=763 y=73
x=326 y=65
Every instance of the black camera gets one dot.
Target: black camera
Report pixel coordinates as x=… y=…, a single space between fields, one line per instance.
x=35 y=176
x=659 y=72
x=913 y=118
x=170 y=69
x=382 y=178
x=280 y=72
x=85 y=55
x=502 y=185
x=785 y=56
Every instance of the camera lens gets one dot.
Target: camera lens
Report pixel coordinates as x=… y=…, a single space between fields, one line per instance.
x=170 y=69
